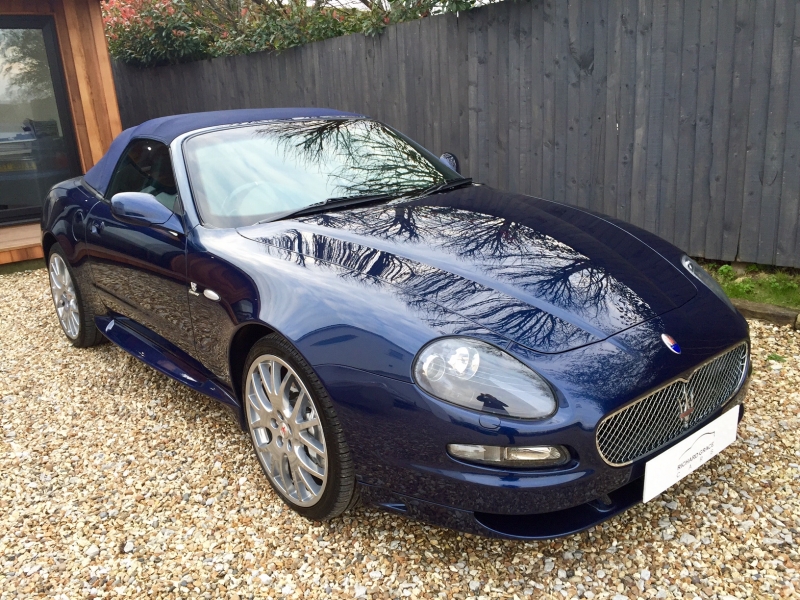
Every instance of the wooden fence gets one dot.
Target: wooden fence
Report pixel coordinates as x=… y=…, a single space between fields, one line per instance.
x=680 y=116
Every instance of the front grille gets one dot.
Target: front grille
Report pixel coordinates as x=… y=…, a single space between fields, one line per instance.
x=652 y=422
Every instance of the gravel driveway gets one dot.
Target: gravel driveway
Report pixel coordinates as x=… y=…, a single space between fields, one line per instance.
x=116 y=481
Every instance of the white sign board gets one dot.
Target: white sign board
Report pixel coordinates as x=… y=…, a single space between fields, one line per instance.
x=674 y=464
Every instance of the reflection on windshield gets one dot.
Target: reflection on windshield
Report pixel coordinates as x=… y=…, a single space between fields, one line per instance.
x=247 y=174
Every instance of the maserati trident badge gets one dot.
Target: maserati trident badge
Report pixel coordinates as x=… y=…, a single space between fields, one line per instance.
x=670 y=342
x=687 y=406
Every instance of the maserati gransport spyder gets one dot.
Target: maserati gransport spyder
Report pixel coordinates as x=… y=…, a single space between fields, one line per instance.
x=389 y=331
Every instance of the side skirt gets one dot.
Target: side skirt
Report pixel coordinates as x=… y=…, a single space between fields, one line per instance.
x=167 y=359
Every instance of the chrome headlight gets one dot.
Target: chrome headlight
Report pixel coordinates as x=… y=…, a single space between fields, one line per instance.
x=707 y=280
x=476 y=375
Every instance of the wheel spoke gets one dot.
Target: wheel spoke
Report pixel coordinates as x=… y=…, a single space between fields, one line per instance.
x=264 y=405
x=265 y=373
x=309 y=466
x=284 y=401
x=301 y=398
x=74 y=322
x=258 y=414
x=285 y=474
x=312 y=422
x=311 y=442
x=303 y=475
x=54 y=282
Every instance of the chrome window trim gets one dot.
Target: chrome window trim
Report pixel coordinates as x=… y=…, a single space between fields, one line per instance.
x=681 y=378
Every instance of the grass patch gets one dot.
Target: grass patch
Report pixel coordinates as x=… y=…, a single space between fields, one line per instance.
x=25 y=265
x=759 y=283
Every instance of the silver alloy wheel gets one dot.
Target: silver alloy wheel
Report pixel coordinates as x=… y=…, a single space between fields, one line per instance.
x=64 y=297
x=286 y=430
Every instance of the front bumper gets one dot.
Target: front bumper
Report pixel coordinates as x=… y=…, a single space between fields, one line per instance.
x=537 y=526
x=398 y=437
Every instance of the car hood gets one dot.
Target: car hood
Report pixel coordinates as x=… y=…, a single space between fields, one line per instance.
x=543 y=274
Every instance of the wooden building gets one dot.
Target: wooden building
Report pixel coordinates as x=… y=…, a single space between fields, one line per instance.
x=58 y=108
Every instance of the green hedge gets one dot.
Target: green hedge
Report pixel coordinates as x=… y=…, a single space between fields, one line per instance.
x=157 y=32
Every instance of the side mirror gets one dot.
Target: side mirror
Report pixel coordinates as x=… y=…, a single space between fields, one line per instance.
x=451 y=160
x=137 y=208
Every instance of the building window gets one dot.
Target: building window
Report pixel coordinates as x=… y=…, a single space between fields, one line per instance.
x=37 y=144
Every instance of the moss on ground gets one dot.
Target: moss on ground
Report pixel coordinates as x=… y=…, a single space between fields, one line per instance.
x=759 y=283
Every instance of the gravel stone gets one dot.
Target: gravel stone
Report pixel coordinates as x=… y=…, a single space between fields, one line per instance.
x=99 y=453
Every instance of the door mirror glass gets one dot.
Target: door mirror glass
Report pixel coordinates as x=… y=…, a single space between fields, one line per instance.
x=138 y=208
x=451 y=160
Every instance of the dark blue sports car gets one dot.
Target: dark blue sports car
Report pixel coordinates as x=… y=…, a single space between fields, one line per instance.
x=388 y=330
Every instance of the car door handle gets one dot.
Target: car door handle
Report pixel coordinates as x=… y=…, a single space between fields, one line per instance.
x=98 y=226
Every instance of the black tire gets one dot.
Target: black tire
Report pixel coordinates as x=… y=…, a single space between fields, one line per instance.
x=87 y=333
x=340 y=489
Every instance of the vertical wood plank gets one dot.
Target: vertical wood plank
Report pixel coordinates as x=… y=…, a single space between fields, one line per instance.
x=686 y=131
x=720 y=128
x=525 y=173
x=701 y=184
x=572 y=66
x=483 y=152
x=756 y=131
x=627 y=91
x=533 y=73
x=561 y=100
x=461 y=83
x=737 y=140
x=772 y=178
x=644 y=37
x=496 y=111
x=673 y=49
x=599 y=78
x=655 y=125
x=586 y=65
x=447 y=115
x=613 y=81
x=85 y=89
x=788 y=246
x=549 y=58
x=105 y=76
x=512 y=126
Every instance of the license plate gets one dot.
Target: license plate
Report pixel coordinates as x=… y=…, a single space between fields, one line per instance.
x=690 y=454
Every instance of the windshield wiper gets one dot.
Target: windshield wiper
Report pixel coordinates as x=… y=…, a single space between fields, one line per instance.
x=446 y=186
x=347 y=200
x=325 y=204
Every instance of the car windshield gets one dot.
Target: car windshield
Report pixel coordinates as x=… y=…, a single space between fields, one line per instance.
x=243 y=175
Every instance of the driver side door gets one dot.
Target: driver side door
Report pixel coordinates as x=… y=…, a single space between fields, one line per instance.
x=140 y=271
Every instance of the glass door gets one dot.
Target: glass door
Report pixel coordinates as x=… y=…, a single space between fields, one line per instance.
x=37 y=143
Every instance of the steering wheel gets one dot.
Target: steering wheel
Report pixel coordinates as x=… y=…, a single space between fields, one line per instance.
x=245 y=187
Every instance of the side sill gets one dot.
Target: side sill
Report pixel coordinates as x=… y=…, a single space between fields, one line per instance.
x=172 y=362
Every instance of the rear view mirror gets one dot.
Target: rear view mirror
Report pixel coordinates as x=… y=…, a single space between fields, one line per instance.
x=451 y=160
x=137 y=208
